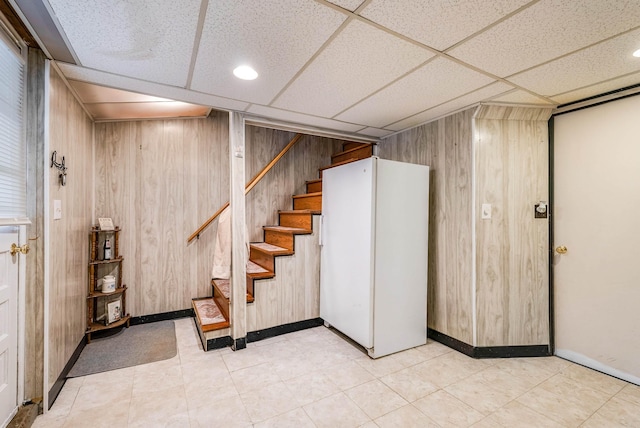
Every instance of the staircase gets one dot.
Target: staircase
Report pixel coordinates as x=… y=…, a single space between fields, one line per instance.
x=212 y=313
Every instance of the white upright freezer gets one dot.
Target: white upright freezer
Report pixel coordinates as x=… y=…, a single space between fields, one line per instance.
x=374 y=238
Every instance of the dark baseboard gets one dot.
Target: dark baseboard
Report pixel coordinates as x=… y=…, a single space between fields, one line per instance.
x=240 y=343
x=254 y=336
x=164 y=316
x=59 y=383
x=490 y=351
x=218 y=342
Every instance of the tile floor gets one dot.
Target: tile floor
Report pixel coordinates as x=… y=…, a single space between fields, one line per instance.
x=314 y=378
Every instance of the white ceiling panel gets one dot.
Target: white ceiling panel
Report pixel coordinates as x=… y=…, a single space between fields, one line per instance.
x=375 y=132
x=359 y=61
x=600 y=88
x=276 y=38
x=90 y=93
x=585 y=67
x=180 y=94
x=452 y=106
x=293 y=117
x=547 y=30
x=150 y=40
x=152 y=110
x=422 y=20
x=430 y=85
x=347 y=4
x=521 y=97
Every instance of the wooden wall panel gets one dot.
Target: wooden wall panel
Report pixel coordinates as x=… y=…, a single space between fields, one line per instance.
x=512 y=258
x=445 y=145
x=71 y=135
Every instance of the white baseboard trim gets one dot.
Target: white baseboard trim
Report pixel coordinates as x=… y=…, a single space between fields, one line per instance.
x=596 y=365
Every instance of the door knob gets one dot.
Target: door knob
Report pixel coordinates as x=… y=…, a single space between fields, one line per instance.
x=15 y=249
x=561 y=249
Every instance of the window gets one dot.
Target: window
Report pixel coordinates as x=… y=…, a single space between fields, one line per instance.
x=13 y=177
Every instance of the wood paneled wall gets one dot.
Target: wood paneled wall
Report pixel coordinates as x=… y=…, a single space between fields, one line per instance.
x=446 y=146
x=71 y=135
x=506 y=161
x=512 y=271
x=159 y=180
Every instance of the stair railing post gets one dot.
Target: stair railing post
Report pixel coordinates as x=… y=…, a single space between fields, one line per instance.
x=238 y=295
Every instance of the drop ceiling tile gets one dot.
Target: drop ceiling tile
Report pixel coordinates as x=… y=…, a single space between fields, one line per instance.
x=375 y=132
x=434 y=83
x=74 y=72
x=423 y=20
x=145 y=110
x=303 y=119
x=452 y=106
x=597 y=89
x=519 y=96
x=359 y=61
x=90 y=93
x=276 y=38
x=600 y=62
x=347 y=4
x=149 y=40
x=547 y=30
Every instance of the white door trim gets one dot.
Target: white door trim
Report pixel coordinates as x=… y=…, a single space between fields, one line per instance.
x=45 y=241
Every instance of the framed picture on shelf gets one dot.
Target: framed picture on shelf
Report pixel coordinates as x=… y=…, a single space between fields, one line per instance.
x=105 y=223
x=114 y=311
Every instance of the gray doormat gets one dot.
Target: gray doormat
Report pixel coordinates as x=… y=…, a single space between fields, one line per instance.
x=138 y=344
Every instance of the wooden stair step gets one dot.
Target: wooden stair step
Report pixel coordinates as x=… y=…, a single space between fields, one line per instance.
x=255 y=271
x=208 y=314
x=297 y=218
x=222 y=288
x=282 y=236
x=360 y=152
x=314 y=185
x=263 y=254
x=335 y=165
x=353 y=144
x=308 y=201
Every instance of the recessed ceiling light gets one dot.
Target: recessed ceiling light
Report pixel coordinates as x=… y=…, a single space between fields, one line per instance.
x=637 y=53
x=245 y=72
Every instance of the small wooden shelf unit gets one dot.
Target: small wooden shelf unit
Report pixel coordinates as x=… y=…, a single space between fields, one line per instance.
x=96 y=297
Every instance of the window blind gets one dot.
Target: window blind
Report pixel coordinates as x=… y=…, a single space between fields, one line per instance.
x=13 y=178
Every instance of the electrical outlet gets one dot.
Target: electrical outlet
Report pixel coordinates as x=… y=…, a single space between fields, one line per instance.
x=486 y=211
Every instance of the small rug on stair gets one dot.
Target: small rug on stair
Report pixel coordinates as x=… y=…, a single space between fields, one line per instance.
x=138 y=344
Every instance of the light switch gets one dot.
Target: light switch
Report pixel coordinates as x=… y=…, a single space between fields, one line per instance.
x=486 y=211
x=57 y=209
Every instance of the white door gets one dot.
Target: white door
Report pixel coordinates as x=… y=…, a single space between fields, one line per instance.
x=347 y=249
x=597 y=219
x=8 y=324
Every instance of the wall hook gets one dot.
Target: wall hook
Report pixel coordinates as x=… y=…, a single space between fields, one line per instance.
x=61 y=167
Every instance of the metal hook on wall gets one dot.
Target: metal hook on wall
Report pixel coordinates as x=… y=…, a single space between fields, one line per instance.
x=61 y=167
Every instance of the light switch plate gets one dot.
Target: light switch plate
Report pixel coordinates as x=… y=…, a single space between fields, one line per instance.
x=57 y=209
x=486 y=211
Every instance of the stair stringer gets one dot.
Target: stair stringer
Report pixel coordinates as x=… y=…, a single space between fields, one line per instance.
x=293 y=294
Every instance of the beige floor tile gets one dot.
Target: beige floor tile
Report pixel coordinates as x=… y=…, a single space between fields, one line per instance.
x=242 y=359
x=96 y=395
x=518 y=415
x=49 y=421
x=199 y=395
x=410 y=383
x=267 y=402
x=120 y=377
x=335 y=411
x=228 y=413
x=530 y=374
x=369 y=424
x=254 y=377
x=630 y=393
x=617 y=411
x=576 y=392
x=405 y=417
x=204 y=373
x=346 y=376
x=480 y=394
x=551 y=364
x=105 y=416
x=380 y=366
x=157 y=380
x=375 y=398
x=296 y=418
x=433 y=349
x=410 y=357
x=312 y=387
x=447 y=411
x=64 y=402
x=448 y=369
x=561 y=409
x=295 y=366
x=159 y=408
x=593 y=379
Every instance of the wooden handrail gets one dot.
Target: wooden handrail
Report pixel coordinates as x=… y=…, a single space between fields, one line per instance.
x=250 y=185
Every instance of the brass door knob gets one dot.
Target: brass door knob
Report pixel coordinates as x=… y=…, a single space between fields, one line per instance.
x=561 y=249
x=15 y=249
